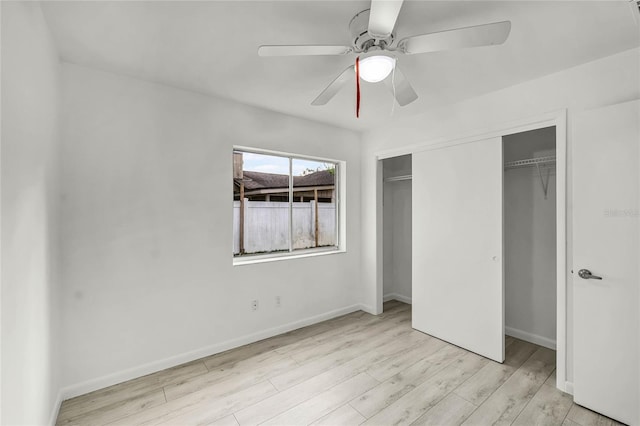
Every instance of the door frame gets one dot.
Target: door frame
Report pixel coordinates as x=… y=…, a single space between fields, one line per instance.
x=556 y=118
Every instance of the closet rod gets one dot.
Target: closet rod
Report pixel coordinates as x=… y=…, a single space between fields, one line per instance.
x=398 y=178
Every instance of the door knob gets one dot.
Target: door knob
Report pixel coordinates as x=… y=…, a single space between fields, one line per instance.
x=587 y=275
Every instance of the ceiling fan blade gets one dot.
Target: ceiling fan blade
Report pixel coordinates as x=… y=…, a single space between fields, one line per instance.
x=478 y=35
x=302 y=50
x=334 y=87
x=382 y=17
x=403 y=91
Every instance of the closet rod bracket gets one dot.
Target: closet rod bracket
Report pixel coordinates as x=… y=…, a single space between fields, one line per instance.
x=545 y=185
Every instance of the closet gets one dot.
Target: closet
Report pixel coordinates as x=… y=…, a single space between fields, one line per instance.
x=397 y=228
x=529 y=203
x=484 y=241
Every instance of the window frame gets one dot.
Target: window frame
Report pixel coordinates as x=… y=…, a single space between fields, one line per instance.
x=340 y=191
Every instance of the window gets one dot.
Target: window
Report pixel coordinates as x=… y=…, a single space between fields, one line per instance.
x=283 y=204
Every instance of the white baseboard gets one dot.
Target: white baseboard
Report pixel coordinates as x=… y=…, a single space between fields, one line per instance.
x=396 y=296
x=368 y=309
x=530 y=337
x=568 y=387
x=55 y=409
x=152 y=367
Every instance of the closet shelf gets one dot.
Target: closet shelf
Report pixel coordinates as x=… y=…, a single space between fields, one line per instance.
x=398 y=178
x=537 y=162
x=530 y=162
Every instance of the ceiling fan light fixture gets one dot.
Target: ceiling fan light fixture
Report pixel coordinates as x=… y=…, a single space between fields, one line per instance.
x=376 y=68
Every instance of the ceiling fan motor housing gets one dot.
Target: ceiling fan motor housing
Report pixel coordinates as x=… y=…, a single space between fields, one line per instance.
x=362 y=40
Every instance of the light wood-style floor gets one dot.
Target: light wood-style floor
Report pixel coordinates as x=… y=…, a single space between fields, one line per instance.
x=356 y=369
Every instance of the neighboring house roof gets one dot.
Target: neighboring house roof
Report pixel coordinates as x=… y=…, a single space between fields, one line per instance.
x=258 y=180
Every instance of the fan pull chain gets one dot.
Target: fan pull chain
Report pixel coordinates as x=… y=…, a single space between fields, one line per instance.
x=358 y=87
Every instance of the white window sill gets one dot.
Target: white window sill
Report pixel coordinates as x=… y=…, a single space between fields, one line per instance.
x=250 y=260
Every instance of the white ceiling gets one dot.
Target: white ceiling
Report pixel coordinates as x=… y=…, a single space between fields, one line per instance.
x=210 y=47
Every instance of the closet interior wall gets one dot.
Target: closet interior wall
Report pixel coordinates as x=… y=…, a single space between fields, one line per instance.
x=397 y=228
x=530 y=239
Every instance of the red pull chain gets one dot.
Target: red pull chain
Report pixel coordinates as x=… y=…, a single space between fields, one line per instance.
x=358 y=87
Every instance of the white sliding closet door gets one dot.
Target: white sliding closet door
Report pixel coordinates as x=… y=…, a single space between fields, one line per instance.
x=457 y=246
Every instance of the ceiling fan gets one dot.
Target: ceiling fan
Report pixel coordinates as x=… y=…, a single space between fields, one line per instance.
x=374 y=43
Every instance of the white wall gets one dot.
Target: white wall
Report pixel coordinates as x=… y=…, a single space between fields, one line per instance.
x=397 y=229
x=30 y=200
x=530 y=243
x=606 y=81
x=397 y=240
x=147 y=228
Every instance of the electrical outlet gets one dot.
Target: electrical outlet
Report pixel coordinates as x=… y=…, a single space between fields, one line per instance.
x=254 y=305
x=278 y=302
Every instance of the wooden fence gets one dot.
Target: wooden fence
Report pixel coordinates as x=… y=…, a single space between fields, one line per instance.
x=266 y=226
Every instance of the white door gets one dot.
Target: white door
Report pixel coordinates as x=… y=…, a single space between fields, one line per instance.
x=457 y=246
x=605 y=242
